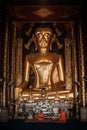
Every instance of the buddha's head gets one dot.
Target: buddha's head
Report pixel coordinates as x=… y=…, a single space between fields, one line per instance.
x=43 y=37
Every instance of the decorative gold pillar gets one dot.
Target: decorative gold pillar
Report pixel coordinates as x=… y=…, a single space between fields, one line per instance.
x=19 y=59
x=5 y=64
x=74 y=55
x=13 y=67
x=82 y=67
x=18 y=70
x=1 y=97
x=18 y=65
x=13 y=57
x=75 y=72
x=68 y=77
x=8 y=68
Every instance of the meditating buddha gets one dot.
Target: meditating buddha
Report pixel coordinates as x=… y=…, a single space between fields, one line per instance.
x=47 y=66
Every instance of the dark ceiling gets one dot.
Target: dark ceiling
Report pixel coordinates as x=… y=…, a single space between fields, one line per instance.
x=44 y=12
x=42 y=2
x=44 y=9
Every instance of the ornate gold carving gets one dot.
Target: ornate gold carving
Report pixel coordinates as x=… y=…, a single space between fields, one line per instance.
x=83 y=91
x=43 y=12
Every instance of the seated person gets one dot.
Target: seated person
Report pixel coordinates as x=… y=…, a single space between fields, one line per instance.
x=40 y=116
x=62 y=116
x=31 y=114
x=47 y=66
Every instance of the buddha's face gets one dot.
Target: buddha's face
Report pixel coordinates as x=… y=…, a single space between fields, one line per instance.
x=43 y=36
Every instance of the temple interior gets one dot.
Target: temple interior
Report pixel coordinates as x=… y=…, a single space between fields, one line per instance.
x=43 y=59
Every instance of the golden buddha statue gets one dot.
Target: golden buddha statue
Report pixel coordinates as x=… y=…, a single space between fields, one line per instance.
x=47 y=66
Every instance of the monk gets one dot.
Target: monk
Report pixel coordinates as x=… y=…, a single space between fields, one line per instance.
x=62 y=116
x=40 y=116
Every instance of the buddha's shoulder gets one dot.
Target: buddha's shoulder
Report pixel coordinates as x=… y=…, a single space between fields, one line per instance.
x=30 y=55
x=55 y=54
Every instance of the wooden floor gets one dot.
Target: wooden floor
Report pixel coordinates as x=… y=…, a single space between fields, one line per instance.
x=17 y=124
